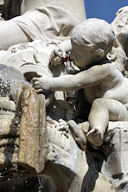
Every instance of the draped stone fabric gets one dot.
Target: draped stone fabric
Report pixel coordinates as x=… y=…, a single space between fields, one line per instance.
x=46 y=23
x=75 y=7
x=41 y=19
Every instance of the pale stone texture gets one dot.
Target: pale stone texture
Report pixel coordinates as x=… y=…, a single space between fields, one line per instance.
x=116 y=166
x=32 y=130
x=45 y=20
x=64 y=152
x=119 y=51
x=120 y=26
x=45 y=151
x=72 y=5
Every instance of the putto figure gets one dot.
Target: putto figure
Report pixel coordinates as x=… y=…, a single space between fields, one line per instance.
x=104 y=86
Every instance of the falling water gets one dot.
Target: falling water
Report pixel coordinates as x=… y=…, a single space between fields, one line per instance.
x=10 y=79
x=41 y=187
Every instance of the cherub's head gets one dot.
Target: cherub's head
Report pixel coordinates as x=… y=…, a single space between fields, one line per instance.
x=91 y=41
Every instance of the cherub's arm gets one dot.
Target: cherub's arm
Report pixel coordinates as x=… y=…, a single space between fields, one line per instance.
x=87 y=78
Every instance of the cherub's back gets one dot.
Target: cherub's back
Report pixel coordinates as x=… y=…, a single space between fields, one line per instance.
x=114 y=87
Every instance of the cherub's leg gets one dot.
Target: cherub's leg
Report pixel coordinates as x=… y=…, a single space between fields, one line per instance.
x=102 y=111
x=11 y=34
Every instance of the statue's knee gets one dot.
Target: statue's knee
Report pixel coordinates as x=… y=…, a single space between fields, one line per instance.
x=99 y=102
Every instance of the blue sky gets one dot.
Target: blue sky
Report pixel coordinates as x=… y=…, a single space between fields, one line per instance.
x=104 y=9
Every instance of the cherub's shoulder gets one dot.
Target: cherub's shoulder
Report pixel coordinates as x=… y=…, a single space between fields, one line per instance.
x=104 y=66
x=107 y=68
x=108 y=65
x=113 y=70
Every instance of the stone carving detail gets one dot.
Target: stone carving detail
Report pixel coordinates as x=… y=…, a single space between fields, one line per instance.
x=32 y=151
x=115 y=165
x=118 y=53
x=63 y=99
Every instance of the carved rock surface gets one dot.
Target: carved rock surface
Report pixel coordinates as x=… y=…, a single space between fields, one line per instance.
x=120 y=26
x=9 y=141
x=67 y=164
x=33 y=138
x=116 y=165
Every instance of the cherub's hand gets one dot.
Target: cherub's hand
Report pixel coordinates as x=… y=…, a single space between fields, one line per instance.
x=41 y=84
x=57 y=56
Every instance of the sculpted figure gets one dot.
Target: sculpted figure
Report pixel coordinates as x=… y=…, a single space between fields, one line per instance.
x=119 y=52
x=120 y=27
x=40 y=19
x=104 y=86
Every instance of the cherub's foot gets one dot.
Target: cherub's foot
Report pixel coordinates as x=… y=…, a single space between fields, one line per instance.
x=95 y=137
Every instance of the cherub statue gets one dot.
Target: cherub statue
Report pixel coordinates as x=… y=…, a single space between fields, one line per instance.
x=104 y=86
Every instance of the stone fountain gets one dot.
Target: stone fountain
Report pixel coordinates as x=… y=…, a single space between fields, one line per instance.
x=43 y=144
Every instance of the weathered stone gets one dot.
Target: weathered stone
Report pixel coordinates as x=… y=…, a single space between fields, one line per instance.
x=5 y=125
x=103 y=184
x=65 y=157
x=9 y=155
x=120 y=27
x=9 y=141
x=6 y=104
x=33 y=138
x=116 y=164
x=29 y=144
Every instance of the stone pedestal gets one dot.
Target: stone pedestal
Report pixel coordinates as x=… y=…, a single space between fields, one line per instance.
x=116 y=164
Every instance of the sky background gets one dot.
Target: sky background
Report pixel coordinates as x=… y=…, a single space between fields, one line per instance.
x=104 y=9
